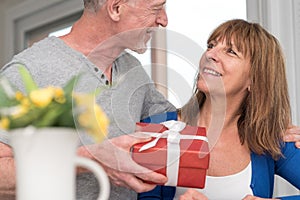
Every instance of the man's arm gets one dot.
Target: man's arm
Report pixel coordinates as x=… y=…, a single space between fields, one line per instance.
x=7 y=172
x=292 y=134
x=155 y=103
x=115 y=157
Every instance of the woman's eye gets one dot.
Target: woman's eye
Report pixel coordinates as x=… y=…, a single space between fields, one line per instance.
x=210 y=46
x=231 y=51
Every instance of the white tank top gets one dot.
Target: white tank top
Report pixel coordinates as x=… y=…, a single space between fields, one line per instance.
x=232 y=187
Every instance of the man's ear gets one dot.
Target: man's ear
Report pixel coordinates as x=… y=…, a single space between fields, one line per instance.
x=114 y=8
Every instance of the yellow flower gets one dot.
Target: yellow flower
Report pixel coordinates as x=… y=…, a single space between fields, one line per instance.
x=50 y=107
x=20 y=111
x=19 y=96
x=42 y=97
x=101 y=119
x=91 y=116
x=25 y=102
x=59 y=95
x=4 y=123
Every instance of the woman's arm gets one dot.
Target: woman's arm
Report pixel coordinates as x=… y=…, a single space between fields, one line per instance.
x=288 y=166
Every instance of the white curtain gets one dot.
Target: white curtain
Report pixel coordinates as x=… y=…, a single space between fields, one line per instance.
x=282 y=18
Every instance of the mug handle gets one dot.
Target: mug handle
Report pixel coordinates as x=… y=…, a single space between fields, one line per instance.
x=99 y=173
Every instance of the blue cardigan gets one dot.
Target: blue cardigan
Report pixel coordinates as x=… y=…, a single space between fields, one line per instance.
x=263 y=170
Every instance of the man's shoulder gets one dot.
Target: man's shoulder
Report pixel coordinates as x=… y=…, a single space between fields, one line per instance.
x=48 y=61
x=50 y=53
x=42 y=47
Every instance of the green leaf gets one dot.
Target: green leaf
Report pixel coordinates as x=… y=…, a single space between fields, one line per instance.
x=29 y=83
x=25 y=120
x=68 y=88
x=49 y=116
x=66 y=119
x=7 y=94
x=5 y=101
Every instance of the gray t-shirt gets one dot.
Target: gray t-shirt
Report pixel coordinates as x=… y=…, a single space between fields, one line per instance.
x=129 y=98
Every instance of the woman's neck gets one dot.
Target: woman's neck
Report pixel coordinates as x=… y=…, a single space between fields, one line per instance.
x=219 y=115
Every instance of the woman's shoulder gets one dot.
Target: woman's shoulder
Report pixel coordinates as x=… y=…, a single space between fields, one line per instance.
x=158 y=118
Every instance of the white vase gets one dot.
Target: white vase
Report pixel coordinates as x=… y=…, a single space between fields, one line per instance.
x=46 y=163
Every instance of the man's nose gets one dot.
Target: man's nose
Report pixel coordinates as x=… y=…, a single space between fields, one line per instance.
x=162 y=18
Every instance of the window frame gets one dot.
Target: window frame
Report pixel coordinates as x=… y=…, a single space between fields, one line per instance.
x=29 y=16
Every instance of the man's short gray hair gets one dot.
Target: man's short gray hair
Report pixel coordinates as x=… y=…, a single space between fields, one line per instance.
x=93 y=4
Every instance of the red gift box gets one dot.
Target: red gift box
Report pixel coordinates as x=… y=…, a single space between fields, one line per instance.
x=193 y=155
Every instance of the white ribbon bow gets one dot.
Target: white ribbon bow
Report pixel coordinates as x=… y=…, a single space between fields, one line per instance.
x=173 y=147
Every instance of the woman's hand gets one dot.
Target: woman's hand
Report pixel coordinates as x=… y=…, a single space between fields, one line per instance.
x=251 y=197
x=192 y=194
x=292 y=134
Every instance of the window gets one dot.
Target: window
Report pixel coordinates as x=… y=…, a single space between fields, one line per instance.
x=30 y=21
x=56 y=28
x=60 y=32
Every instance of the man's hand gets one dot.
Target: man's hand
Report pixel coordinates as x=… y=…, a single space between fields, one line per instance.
x=115 y=157
x=292 y=134
x=7 y=173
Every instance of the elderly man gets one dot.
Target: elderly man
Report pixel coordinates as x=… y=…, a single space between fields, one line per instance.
x=96 y=46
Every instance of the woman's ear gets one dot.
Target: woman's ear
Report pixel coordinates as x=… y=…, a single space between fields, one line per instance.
x=114 y=8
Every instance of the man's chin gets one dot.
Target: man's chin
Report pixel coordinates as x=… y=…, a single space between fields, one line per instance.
x=140 y=50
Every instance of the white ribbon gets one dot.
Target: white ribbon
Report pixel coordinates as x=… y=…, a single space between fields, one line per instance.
x=173 y=146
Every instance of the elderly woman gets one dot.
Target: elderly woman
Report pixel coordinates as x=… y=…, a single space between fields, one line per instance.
x=242 y=99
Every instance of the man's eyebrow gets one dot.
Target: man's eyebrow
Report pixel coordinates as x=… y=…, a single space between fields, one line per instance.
x=160 y=4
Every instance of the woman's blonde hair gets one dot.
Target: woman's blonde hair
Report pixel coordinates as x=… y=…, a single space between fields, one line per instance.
x=265 y=111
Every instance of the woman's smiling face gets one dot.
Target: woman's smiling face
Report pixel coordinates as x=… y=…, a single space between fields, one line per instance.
x=223 y=62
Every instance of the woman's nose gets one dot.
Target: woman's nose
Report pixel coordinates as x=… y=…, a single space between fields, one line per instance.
x=212 y=54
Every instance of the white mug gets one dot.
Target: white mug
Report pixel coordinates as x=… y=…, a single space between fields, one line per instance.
x=46 y=163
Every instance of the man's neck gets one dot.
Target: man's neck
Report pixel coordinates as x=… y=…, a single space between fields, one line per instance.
x=100 y=47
